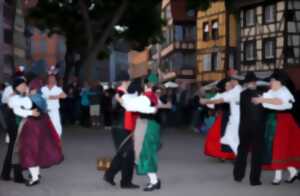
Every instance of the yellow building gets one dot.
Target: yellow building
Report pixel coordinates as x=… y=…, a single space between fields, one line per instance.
x=216 y=42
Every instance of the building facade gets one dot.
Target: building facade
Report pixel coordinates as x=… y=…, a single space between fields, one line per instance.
x=270 y=36
x=178 y=49
x=6 y=38
x=216 y=42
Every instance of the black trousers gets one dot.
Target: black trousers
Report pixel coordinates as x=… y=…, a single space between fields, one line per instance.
x=251 y=139
x=12 y=130
x=123 y=161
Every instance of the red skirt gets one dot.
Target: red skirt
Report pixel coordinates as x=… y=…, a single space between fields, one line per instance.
x=213 y=146
x=286 y=144
x=39 y=143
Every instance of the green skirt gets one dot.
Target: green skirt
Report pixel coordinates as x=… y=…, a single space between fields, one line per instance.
x=148 y=158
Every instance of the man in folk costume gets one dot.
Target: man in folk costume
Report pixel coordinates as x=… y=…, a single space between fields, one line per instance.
x=213 y=146
x=37 y=145
x=12 y=130
x=53 y=94
x=232 y=97
x=123 y=140
x=251 y=133
x=146 y=133
x=282 y=146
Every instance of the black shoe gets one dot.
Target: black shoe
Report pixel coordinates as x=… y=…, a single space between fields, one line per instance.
x=292 y=180
x=109 y=180
x=18 y=176
x=129 y=186
x=152 y=187
x=5 y=177
x=257 y=183
x=31 y=183
x=238 y=179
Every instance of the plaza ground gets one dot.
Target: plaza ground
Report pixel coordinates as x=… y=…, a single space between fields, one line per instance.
x=184 y=170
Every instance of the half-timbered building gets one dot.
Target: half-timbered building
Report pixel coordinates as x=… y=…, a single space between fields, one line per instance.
x=269 y=36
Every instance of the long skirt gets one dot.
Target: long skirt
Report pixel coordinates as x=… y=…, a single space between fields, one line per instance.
x=38 y=143
x=282 y=142
x=146 y=144
x=213 y=146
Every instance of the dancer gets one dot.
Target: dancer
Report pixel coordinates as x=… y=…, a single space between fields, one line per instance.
x=12 y=129
x=232 y=97
x=282 y=146
x=146 y=133
x=213 y=146
x=52 y=93
x=38 y=145
x=251 y=133
x=124 y=158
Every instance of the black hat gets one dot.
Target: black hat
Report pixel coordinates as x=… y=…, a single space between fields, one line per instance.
x=222 y=83
x=250 y=77
x=135 y=86
x=18 y=81
x=280 y=76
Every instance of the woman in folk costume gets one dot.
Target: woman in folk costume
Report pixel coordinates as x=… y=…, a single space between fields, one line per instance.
x=38 y=145
x=146 y=133
x=282 y=146
x=232 y=97
x=53 y=94
x=213 y=146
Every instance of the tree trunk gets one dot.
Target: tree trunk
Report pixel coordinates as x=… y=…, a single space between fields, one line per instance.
x=69 y=61
x=87 y=23
x=100 y=43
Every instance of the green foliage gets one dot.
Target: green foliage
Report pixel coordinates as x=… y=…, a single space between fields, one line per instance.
x=142 y=19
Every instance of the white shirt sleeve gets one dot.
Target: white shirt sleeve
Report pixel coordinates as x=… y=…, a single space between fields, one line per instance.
x=17 y=108
x=141 y=104
x=45 y=93
x=284 y=95
x=217 y=96
x=230 y=95
x=7 y=93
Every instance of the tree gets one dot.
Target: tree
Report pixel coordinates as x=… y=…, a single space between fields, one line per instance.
x=205 y=4
x=89 y=26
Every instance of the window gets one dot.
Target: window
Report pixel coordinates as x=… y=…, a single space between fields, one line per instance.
x=250 y=17
x=249 y=51
x=8 y=59
x=178 y=33
x=205 y=31
x=8 y=36
x=190 y=33
x=290 y=52
x=269 y=14
x=290 y=15
x=207 y=62
x=215 y=30
x=214 y=61
x=7 y=13
x=269 y=49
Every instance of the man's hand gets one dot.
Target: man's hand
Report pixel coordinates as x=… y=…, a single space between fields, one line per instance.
x=203 y=101
x=257 y=100
x=35 y=113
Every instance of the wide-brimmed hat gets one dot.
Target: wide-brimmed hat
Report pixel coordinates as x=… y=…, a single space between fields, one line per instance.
x=250 y=77
x=17 y=82
x=280 y=76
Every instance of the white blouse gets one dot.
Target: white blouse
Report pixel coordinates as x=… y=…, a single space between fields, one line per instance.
x=21 y=105
x=284 y=95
